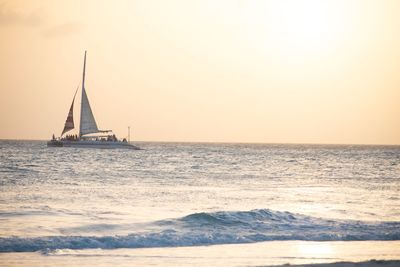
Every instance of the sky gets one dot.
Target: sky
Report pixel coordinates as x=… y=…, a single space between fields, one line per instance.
x=205 y=71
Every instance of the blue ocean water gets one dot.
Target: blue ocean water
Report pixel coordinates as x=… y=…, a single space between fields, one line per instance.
x=181 y=194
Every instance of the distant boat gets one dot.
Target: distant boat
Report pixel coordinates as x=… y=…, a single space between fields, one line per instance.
x=89 y=135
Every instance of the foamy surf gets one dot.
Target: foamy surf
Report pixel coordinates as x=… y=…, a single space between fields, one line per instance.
x=225 y=227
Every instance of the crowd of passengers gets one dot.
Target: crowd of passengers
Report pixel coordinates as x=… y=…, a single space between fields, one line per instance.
x=75 y=137
x=71 y=137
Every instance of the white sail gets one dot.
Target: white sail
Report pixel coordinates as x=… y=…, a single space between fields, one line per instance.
x=88 y=123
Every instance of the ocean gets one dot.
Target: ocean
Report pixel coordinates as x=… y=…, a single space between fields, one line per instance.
x=199 y=204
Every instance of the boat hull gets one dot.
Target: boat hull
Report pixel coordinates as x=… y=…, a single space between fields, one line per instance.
x=91 y=144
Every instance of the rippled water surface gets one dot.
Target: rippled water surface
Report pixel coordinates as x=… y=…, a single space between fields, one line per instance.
x=171 y=195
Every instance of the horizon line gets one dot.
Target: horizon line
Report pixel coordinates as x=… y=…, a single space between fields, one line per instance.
x=236 y=142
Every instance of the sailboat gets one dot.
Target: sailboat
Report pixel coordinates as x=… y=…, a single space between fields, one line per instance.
x=89 y=135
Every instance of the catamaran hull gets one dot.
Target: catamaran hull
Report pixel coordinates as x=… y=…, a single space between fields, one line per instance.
x=91 y=144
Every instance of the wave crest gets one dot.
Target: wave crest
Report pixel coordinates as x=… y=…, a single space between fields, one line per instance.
x=224 y=227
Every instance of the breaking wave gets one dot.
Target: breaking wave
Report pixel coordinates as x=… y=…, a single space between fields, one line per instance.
x=225 y=227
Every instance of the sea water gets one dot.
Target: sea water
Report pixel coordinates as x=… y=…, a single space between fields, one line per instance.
x=198 y=203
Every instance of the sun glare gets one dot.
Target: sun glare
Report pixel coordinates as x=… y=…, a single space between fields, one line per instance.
x=320 y=250
x=302 y=26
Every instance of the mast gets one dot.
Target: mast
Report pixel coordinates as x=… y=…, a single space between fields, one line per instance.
x=88 y=124
x=84 y=68
x=83 y=90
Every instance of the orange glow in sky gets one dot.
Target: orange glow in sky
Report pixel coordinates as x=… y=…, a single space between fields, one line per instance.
x=218 y=71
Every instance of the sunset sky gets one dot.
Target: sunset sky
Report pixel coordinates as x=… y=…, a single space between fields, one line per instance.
x=214 y=71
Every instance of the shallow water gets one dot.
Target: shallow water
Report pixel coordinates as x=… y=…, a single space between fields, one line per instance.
x=255 y=254
x=170 y=195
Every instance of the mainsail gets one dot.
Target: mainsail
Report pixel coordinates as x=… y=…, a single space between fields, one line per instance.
x=88 y=123
x=69 y=123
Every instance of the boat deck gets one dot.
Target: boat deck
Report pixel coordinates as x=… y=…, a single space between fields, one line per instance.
x=91 y=144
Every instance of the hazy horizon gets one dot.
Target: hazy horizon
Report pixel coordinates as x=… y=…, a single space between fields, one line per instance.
x=225 y=142
x=273 y=72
